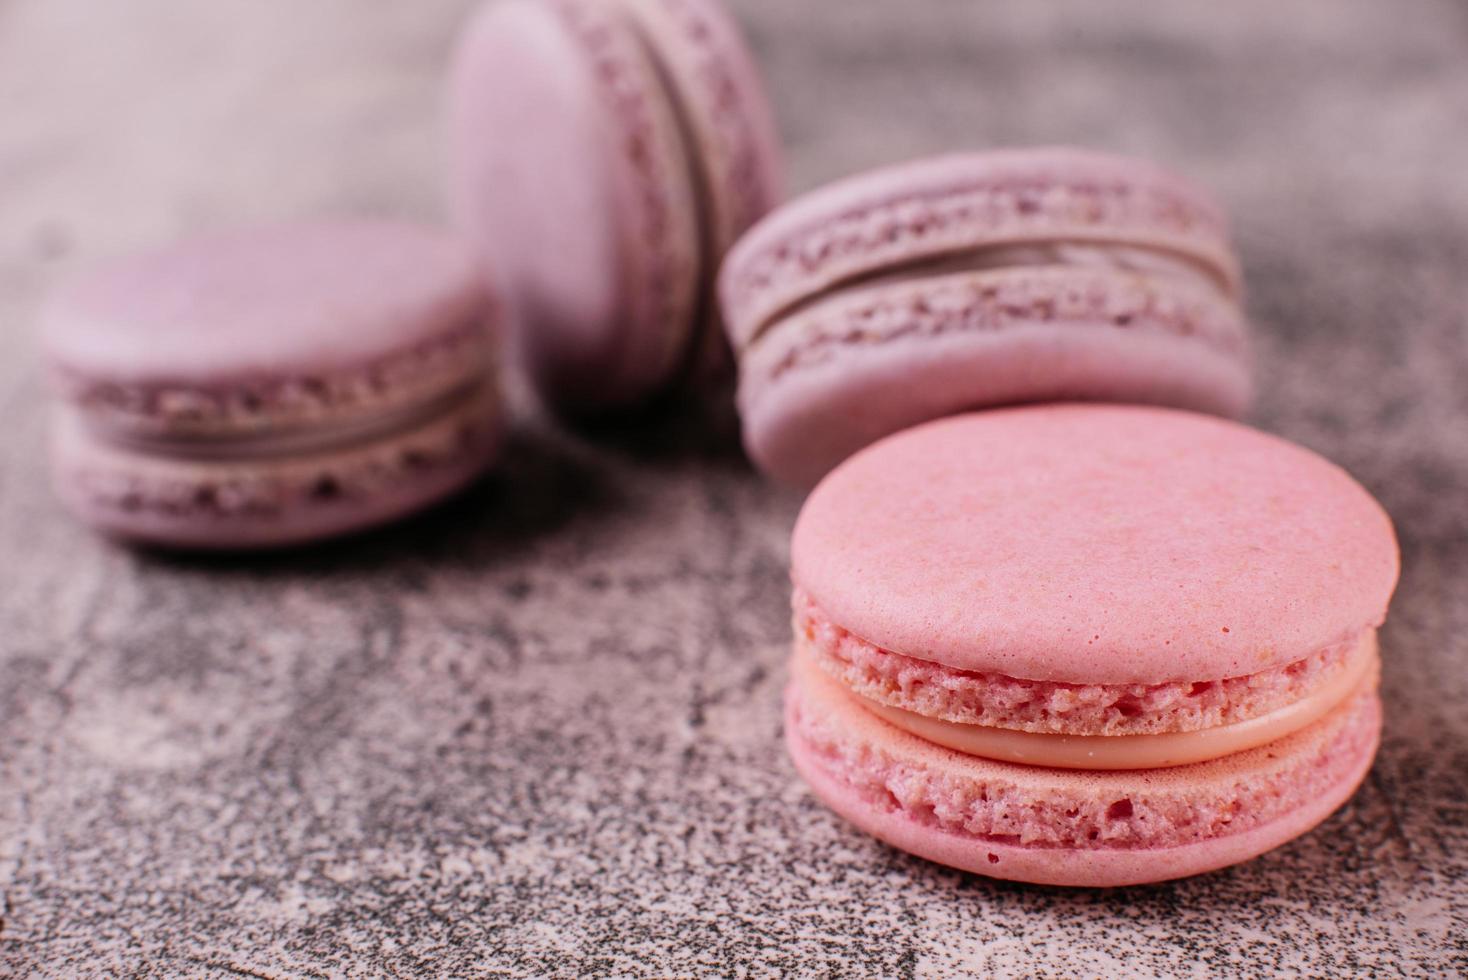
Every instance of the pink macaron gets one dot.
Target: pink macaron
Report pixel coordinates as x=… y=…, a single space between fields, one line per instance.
x=1087 y=644
x=272 y=386
x=976 y=280
x=604 y=154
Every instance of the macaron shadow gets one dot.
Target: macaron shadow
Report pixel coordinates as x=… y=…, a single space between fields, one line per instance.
x=674 y=428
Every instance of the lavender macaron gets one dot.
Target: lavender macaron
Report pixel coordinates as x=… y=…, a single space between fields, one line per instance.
x=976 y=280
x=273 y=386
x=604 y=154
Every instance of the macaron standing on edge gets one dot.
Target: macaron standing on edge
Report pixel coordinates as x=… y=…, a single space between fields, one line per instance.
x=977 y=280
x=273 y=386
x=603 y=155
x=1087 y=644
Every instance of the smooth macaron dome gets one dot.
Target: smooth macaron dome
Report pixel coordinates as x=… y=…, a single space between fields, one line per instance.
x=975 y=280
x=272 y=385
x=604 y=156
x=1159 y=626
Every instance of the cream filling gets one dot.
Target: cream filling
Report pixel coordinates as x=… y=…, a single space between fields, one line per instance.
x=1112 y=256
x=1141 y=751
x=679 y=337
x=1142 y=260
x=249 y=446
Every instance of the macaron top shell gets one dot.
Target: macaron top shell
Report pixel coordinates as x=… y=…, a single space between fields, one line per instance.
x=267 y=301
x=391 y=307
x=1095 y=544
x=939 y=207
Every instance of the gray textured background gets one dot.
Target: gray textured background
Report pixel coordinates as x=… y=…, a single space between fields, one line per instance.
x=536 y=733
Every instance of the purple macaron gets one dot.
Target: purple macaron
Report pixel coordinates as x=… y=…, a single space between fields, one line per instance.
x=604 y=154
x=976 y=280
x=273 y=386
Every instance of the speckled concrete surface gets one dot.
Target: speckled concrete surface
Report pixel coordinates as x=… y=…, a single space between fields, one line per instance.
x=536 y=733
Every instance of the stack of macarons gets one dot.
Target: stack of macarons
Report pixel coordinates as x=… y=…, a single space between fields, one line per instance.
x=1056 y=618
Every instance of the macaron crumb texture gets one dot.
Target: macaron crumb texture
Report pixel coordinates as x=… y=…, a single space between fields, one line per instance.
x=1079 y=585
x=994 y=699
x=1163 y=808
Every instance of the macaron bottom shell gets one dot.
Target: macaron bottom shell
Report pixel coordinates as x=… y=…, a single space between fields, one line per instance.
x=212 y=504
x=799 y=425
x=1310 y=775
